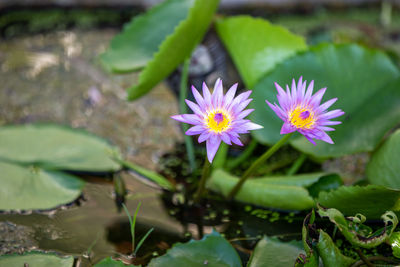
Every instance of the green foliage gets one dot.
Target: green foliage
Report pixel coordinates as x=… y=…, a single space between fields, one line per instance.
x=256 y=46
x=176 y=47
x=36 y=259
x=136 y=45
x=384 y=168
x=273 y=253
x=358 y=234
x=371 y=200
x=110 y=262
x=29 y=188
x=394 y=242
x=312 y=257
x=363 y=80
x=56 y=147
x=212 y=250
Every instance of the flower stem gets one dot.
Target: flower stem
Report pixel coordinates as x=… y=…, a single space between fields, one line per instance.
x=183 y=109
x=256 y=164
x=297 y=164
x=202 y=183
x=245 y=154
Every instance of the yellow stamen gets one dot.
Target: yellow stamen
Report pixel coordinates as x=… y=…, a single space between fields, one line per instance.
x=302 y=117
x=218 y=121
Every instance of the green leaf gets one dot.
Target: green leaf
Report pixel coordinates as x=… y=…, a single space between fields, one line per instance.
x=30 y=188
x=176 y=47
x=384 y=168
x=140 y=39
x=371 y=200
x=362 y=79
x=56 y=147
x=355 y=232
x=325 y=183
x=312 y=257
x=110 y=262
x=262 y=192
x=273 y=253
x=330 y=254
x=212 y=250
x=394 y=242
x=256 y=46
x=36 y=259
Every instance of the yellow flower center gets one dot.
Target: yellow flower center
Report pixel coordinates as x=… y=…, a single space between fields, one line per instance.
x=218 y=121
x=302 y=117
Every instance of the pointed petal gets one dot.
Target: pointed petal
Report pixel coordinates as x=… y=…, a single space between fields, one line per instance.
x=309 y=92
x=204 y=136
x=327 y=129
x=294 y=92
x=331 y=114
x=195 y=130
x=287 y=128
x=238 y=108
x=252 y=126
x=311 y=140
x=327 y=122
x=196 y=109
x=277 y=110
x=325 y=137
x=229 y=95
x=199 y=98
x=326 y=105
x=212 y=145
x=244 y=114
x=225 y=137
x=316 y=99
x=237 y=100
x=187 y=118
x=280 y=90
x=235 y=139
x=206 y=95
x=218 y=94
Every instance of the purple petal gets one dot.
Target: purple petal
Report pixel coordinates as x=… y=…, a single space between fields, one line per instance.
x=237 y=100
x=277 y=110
x=218 y=94
x=326 y=105
x=229 y=95
x=212 y=145
x=238 y=108
x=316 y=99
x=196 y=109
x=225 y=137
x=199 y=98
x=327 y=129
x=309 y=91
x=287 y=128
x=331 y=114
x=294 y=92
x=195 y=130
x=188 y=118
x=327 y=122
x=235 y=139
x=252 y=126
x=244 y=114
x=204 y=136
x=280 y=90
x=310 y=139
x=325 y=137
x=206 y=95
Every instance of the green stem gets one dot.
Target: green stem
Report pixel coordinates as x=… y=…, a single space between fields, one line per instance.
x=256 y=164
x=183 y=110
x=245 y=154
x=202 y=183
x=297 y=164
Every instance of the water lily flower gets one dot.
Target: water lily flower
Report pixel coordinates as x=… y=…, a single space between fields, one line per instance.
x=301 y=111
x=218 y=117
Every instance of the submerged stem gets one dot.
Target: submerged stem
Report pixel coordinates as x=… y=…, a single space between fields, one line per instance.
x=202 y=183
x=256 y=164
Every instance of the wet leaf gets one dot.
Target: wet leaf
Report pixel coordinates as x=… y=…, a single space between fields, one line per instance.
x=110 y=262
x=212 y=250
x=330 y=254
x=384 y=168
x=325 y=183
x=312 y=257
x=256 y=46
x=265 y=193
x=30 y=188
x=363 y=80
x=354 y=231
x=56 y=147
x=269 y=252
x=394 y=242
x=36 y=259
x=140 y=39
x=176 y=47
x=371 y=201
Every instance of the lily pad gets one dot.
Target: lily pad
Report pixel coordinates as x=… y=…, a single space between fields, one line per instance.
x=256 y=45
x=384 y=168
x=36 y=259
x=365 y=81
x=133 y=48
x=274 y=193
x=110 y=262
x=176 y=47
x=273 y=253
x=31 y=188
x=56 y=147
x=212 y=250
x=371 y=201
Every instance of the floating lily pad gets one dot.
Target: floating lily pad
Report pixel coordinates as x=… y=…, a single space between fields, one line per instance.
x=176 y=47
x=36 y=259
x=384 y=168
x=256 y=46
x=365 y=83
x=267 y=192
x=110 y=262
x=212 y=250
x=31 y=188
x=371 y=201
x=273 y=253
x=56 y=147
x=140 y=39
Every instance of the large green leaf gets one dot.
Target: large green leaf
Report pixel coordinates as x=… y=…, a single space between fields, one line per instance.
x=371 y=201
x=261 y=192
x=384 y=167
x=28 y=188
x=363 y=80
x=256 y=46
x=273 y=253
x=110 y=262
x=36 y=259
x=176 y=47
x=141 y=38
x=212 y=250
x=56 y=147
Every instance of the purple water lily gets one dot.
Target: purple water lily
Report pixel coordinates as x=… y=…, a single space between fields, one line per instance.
x=301 y=111
x=218 y=117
